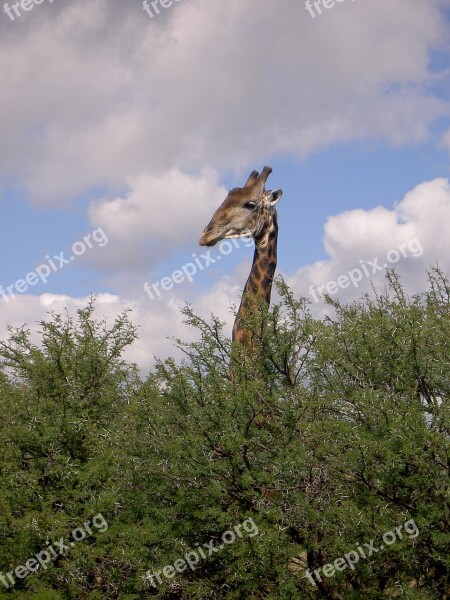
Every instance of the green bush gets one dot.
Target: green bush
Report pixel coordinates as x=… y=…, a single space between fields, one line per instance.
x=332 y=435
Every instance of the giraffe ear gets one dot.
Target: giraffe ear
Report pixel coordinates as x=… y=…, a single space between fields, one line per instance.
x=275 y=197
x=251 y=178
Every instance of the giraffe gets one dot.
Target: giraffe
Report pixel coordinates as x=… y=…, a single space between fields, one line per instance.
x=249 y=212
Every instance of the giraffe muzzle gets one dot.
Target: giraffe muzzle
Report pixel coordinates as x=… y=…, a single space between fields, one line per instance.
x=208 y=237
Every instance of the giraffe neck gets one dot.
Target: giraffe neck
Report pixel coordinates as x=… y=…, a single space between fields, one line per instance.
x=259 y=282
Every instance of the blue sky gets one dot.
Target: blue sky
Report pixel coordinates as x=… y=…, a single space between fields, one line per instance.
x=328 y=182
x=134 y=127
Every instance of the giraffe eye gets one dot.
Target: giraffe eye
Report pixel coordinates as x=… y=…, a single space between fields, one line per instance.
x=250 y=205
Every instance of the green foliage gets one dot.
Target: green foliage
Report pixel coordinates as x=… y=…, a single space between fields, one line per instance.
x=328 y=435
x=60 y=404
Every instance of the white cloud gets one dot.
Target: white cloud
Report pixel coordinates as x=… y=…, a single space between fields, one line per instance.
x=156 y=216
x=158 y=321
x=411 y=237
x=98 y=94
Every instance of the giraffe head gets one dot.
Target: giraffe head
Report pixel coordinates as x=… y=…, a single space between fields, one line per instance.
x=246 y=212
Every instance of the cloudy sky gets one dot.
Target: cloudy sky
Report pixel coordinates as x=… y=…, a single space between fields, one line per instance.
x=122 y=130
